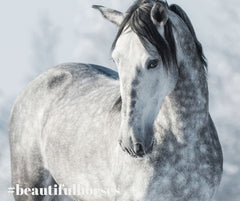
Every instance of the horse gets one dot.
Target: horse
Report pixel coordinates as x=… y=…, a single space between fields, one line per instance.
x=143 y=133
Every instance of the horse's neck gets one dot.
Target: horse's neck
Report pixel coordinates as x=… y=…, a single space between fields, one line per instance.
x=185 y=111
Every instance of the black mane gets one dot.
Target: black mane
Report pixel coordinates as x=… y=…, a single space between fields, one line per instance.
x=139 y=20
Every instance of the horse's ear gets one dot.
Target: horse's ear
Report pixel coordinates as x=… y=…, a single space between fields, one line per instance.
x=113 y=16
x=159 y=13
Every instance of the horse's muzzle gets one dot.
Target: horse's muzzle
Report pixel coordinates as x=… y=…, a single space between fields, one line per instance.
x=138 y=150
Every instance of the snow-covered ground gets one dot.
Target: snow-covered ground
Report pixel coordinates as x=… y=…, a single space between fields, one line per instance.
x=35 y=36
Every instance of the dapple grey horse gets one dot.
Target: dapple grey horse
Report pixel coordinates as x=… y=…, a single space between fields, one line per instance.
x=142 y=134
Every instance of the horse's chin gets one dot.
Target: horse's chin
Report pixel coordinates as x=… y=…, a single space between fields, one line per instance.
x=144 y=157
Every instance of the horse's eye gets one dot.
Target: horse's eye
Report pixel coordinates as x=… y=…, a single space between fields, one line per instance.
x=152 y=64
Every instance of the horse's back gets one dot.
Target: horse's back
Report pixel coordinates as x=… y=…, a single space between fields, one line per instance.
x=53 y=84
x=33 y=107
x=42 y=93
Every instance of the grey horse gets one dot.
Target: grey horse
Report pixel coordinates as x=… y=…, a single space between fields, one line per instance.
x=143 y=133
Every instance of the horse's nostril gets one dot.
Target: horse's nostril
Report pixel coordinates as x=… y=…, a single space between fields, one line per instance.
x=139 y=150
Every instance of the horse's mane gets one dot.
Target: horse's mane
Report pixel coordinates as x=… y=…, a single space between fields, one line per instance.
x=139 y=20
x=181 y=13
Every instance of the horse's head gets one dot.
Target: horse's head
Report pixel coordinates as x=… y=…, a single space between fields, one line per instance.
x=145 y=54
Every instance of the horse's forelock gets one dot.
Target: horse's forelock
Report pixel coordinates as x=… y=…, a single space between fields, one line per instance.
x=139 y=20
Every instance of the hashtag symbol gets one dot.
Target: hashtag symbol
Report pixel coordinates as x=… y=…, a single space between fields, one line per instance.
x=11 y=190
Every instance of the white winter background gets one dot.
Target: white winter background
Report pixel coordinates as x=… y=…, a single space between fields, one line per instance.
x=35 y=35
